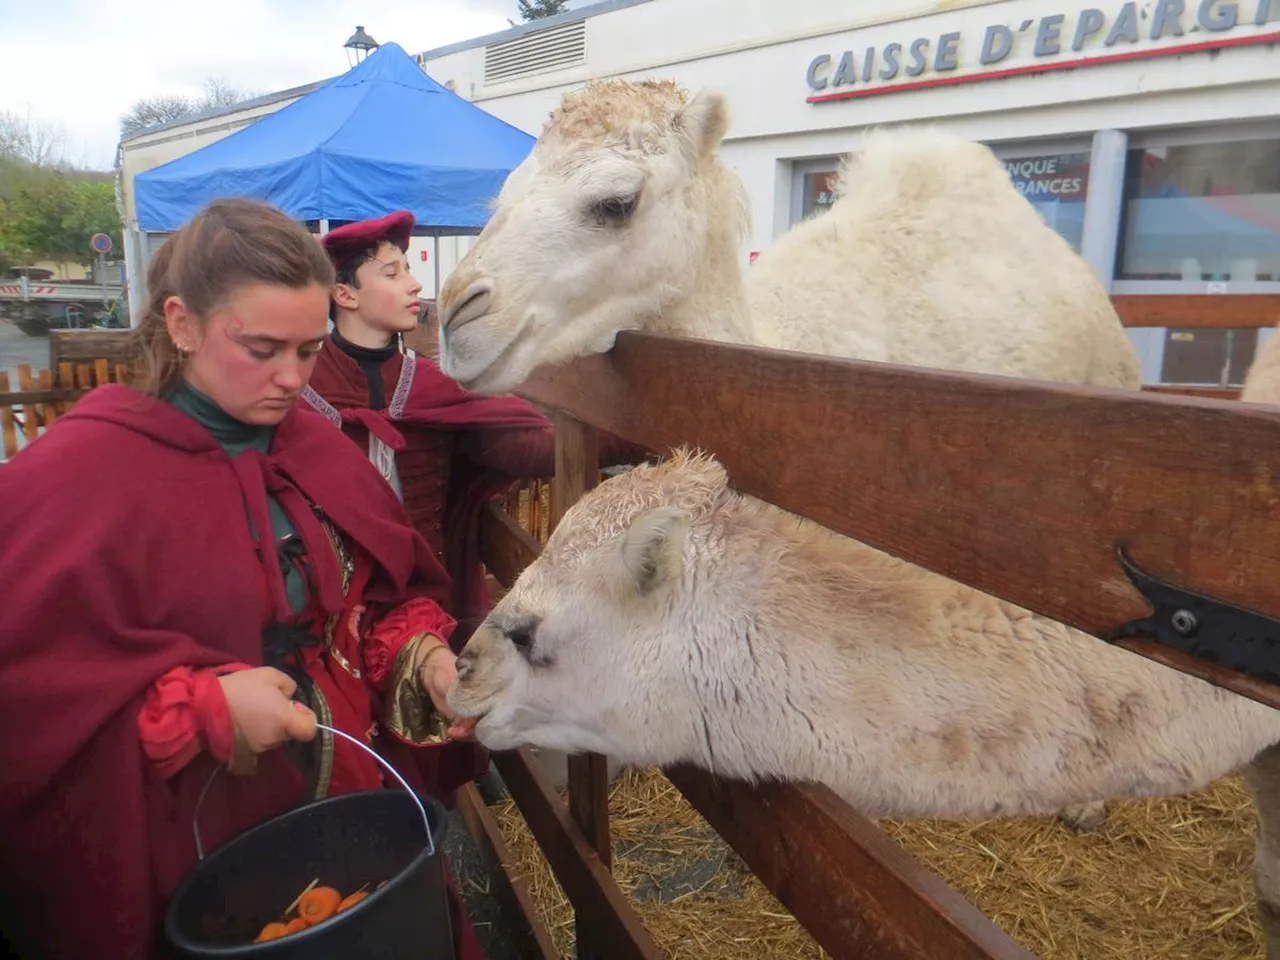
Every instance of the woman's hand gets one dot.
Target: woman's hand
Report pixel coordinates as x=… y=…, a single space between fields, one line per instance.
x=260 y=707
x=438 y=673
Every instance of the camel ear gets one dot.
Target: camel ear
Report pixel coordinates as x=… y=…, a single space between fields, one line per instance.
x=702 y=124
x=652 y=548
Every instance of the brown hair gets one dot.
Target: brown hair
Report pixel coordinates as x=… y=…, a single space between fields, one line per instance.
x=227 y=245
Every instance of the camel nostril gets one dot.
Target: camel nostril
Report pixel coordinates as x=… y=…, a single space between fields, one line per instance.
x=470 y=305
x=463 y=665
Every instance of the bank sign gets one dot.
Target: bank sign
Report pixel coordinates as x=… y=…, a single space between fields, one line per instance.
x=1057 y=41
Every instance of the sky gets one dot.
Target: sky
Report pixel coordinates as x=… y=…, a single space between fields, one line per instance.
x=80 y=64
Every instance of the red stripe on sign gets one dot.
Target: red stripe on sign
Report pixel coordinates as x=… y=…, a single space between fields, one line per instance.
x=1128 y=55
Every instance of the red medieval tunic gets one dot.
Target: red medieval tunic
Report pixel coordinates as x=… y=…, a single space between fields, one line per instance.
x=134 y=572
x=445 y=450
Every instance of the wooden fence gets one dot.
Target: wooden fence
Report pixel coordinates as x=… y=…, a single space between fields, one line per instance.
x=936 y=468
x=38 y=398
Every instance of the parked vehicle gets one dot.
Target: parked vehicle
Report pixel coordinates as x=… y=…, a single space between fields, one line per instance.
x=37 y=303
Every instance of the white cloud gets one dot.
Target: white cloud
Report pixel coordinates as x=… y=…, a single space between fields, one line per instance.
x=83 y=63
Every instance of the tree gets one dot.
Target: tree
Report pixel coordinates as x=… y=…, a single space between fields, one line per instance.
x=166 y=107
x=150 y=111
x=52 y=215
x=31 y=141
x=537 y=9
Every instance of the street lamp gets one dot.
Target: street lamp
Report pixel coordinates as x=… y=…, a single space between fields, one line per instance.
x=359 y=45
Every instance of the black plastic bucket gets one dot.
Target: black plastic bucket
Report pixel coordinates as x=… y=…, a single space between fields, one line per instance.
x=348 y=841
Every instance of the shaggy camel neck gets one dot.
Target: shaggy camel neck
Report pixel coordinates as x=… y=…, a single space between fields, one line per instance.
x=716 y=307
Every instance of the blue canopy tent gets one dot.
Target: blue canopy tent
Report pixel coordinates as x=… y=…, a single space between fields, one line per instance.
x=382 y=137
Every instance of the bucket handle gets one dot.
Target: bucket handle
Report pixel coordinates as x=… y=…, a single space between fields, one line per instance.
x=426 y=820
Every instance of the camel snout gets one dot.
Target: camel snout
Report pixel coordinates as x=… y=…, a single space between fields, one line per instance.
x=472 y=303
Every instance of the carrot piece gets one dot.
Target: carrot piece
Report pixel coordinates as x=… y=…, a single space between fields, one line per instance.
x=352 y=900
x=296 y=924
x=318 y=904
x=271 y=931
x=289 y=909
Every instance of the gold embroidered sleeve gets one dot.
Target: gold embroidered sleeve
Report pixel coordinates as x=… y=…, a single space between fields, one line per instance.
x=409 y=712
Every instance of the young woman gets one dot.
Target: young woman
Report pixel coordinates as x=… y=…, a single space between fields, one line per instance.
x=194 y=571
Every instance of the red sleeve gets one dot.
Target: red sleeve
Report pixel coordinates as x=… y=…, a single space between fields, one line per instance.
x=384 y=641
x=522 y=453
x=529 y=453
x=184 y=712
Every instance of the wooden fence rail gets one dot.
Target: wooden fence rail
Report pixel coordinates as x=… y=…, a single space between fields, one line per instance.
x=41 y=397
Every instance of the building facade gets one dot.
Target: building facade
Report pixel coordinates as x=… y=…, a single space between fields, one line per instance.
x=1146 y=132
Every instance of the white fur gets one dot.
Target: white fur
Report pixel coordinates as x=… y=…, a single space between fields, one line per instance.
x=929 y=257
x=1262 y=384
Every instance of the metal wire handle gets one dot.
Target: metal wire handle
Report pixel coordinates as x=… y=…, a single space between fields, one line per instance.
x=426 y=820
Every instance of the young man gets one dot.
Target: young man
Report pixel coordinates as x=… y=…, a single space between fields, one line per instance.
x=444 y=450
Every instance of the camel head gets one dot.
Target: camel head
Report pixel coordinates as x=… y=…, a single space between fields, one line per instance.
x=589 y=649
x=601 y=227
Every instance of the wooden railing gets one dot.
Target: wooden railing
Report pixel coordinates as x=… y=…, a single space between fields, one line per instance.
x=1022 y=490
x=42 y=396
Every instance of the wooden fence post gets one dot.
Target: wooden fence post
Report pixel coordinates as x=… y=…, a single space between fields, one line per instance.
x=577 y=471
x=66 y=380
x=30 y=411
x=8 y=434
x=48 y=411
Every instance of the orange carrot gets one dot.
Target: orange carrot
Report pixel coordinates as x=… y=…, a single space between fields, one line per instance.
x=352 y=900
x=318 y=904
x=271 y=931
x=289 y=909
x=296 y=924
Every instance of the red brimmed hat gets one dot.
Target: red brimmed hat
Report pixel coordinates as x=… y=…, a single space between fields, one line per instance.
x=354 y=238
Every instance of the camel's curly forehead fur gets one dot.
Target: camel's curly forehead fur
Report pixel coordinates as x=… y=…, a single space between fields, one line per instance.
x=693 y=481
x=612 y=111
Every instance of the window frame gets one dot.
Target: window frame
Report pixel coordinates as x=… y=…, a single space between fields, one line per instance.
x=1183 y=137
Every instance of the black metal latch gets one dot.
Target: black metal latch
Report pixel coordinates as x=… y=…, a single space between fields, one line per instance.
x=1212 y=630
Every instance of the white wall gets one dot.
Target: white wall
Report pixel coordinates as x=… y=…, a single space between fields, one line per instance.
x=452 y=250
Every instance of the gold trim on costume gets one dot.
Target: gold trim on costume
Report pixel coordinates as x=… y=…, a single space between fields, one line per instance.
x=347 y=565
x=409 y=712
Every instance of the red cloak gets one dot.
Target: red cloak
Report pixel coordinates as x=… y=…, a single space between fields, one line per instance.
x=126 y=553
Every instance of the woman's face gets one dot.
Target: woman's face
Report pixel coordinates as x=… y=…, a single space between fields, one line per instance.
x=255 y=354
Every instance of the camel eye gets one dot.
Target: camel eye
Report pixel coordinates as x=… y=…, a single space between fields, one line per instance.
x=614 y=211
x=522 y=637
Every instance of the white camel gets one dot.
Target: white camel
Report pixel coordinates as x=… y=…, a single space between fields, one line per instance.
x=624 y=217
x=1262 y=383
x=672 y=620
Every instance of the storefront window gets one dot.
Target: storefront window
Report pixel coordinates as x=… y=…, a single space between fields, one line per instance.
x=1201 y=213
x=819 y=193
x=1056 y=185
x=1208 y=357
